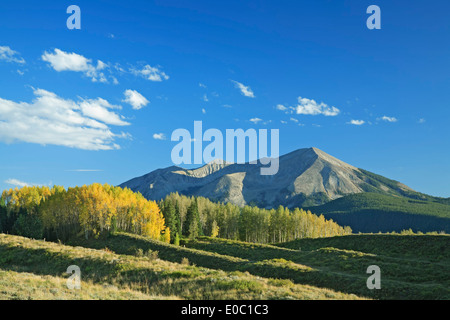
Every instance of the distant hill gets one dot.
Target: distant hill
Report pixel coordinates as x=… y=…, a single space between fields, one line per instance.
x=374 y=212
x=307 y=178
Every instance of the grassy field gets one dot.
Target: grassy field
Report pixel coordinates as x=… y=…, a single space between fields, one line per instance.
x=124 y=266
x=413 y=267
x=34 y=269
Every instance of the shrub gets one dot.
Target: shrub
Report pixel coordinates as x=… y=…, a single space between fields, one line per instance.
x=241 y=285
x=281 y=282
x=139 y=253
x=152 y=255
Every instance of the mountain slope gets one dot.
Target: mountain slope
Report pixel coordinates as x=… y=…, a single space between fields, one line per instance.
x=306 y=177
x=374 y=212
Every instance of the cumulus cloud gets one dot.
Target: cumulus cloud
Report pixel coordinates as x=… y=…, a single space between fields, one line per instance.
x=357 y=122
x=135 y=99
x=281 y=107
x=64 y=61
x=255 y=120
x=245 y=90
x=388 y=119
x=159 y=136
x=150 y=73
x=9 y=55
x=98 y=109
x=50 y=119
x=311 y=107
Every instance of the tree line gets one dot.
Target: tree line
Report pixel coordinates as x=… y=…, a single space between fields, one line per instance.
x=196 y=216
x=95 y=210
x=88 y=211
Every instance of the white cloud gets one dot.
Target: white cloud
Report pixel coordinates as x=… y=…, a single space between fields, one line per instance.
x=205 y=98
x=18 y=183
x=245 y=90
x=99 y=71
x=422 y=120
x=311 y=107
x=281 y=107
x=283 y=122
x=98 y=109
x=294 y=120
x=50 y=119
x=203 y=111
x=150 y=73
x=64 y=61
x=255 y=120
x=135 y=99
x=357 y=122
x=201 y=85
x=388 y=119
x=159 y=136
x=9 y=55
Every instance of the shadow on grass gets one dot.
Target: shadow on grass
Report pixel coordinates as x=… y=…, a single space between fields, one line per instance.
x=46 y=262
x=432 y=248
x=269 y=265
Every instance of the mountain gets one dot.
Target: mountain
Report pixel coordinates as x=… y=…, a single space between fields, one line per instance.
x=311 y=179
x=306 y=177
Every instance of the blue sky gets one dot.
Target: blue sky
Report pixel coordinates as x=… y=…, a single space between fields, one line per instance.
x=84 y=106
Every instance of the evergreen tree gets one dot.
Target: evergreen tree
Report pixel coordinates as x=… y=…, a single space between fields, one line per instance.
x=192 y=224
x=178 y=220
x=170 y=216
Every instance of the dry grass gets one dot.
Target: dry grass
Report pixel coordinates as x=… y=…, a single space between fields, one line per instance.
x=32 y=269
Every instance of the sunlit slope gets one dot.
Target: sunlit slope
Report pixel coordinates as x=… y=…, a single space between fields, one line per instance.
x=412 y=267
x=374 y=212
x=31 y=269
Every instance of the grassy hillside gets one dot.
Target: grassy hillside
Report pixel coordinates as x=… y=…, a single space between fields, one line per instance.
x=412 y=267
x=338 y=264
x=25 y=286
x=34 y=269
x=373 y=212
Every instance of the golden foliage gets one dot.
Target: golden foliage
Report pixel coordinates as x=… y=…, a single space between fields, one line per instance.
x=89 y=210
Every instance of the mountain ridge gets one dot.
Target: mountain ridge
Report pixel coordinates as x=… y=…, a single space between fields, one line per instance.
x=306 y=177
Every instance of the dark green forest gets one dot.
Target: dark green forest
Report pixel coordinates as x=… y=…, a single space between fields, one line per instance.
x=374 y=212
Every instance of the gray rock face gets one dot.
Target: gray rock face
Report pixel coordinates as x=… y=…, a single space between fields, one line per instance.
x=306 y=177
